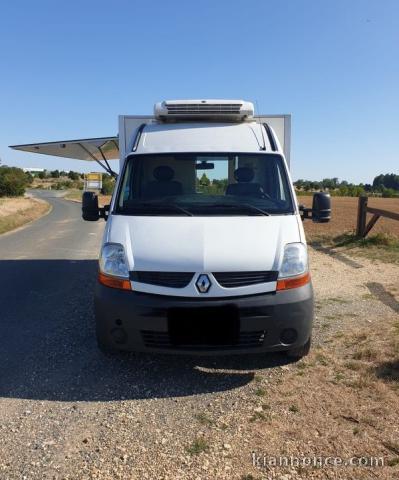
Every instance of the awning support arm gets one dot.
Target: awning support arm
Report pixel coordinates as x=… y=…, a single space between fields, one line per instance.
x=106 y=162
x=106 y=167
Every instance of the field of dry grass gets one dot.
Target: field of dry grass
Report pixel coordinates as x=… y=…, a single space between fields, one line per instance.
x=337 y=236
x=15 y=212
x=344 y=213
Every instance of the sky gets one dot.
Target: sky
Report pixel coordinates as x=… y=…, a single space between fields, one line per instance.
x=68 y=69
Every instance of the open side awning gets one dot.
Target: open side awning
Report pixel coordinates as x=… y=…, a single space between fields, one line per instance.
x=90 y=149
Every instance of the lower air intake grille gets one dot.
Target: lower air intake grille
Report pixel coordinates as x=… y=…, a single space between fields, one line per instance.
x=201 y=108
x=163 y=340
x=163 y=279
x=242 y=279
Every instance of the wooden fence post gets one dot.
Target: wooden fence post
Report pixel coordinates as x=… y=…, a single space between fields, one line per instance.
x=361 y=216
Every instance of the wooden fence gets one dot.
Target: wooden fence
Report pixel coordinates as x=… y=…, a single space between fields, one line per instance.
x=363 y=228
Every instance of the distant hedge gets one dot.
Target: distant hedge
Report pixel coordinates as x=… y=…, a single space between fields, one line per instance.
x=13 y=181
x=108 y=185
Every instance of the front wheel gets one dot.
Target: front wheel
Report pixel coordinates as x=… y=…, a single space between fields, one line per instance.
x=299 y=352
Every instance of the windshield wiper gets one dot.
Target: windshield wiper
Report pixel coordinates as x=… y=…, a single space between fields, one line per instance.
x=238 y=206
x=158 y=207
x=257 y=209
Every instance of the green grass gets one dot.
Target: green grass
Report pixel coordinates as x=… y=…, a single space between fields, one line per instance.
x=380 y=246
x=339 y=300
x=203 y=419
x=339 y=376
x=365 y=353
x=198 y=446
x=258 y=416
x=351 y=365
x=260 y=392
x=320 y=358
x=301 y=365
x=377 y=240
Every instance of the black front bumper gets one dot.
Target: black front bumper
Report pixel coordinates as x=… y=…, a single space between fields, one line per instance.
x=134 y=321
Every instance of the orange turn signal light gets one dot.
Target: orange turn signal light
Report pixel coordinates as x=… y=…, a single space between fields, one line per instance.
x=114 y=282
x=293 y=282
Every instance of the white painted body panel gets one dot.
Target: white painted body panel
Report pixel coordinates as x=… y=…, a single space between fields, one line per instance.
x=128 y=125
x=203 y=245
x=202 y=137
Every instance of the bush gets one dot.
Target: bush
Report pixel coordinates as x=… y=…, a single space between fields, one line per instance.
x=73 y=175
x=13 y=181
x=389 y=193
x=63 y=185
x=108 y=185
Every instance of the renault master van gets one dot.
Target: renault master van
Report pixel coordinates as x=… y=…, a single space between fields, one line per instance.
x=203 y=248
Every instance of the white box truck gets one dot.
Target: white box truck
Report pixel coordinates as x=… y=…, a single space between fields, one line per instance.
x=203 y=249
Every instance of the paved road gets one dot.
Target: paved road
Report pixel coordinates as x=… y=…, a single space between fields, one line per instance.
x=60 y=235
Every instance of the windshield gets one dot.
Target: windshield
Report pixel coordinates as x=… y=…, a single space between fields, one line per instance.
x=204 y=184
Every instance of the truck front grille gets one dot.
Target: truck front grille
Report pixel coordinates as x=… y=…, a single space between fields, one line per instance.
x=162 y=340
x=163 y=279
x=182 y=279
x=242 y=279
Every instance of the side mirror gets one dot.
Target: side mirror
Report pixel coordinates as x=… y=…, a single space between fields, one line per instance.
x=321 y=208
x=90 y=210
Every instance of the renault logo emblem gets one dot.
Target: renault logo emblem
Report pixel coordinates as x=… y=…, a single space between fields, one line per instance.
x=203 y=283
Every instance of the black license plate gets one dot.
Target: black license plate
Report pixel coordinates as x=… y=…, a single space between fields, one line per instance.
x=204 y=325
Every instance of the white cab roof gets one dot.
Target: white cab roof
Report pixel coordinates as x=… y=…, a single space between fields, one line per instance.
x=203 y=137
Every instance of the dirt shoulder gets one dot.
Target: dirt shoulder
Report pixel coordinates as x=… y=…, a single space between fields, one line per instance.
x=15 y=212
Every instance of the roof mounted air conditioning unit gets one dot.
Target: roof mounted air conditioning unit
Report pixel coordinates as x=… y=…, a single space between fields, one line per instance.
x=175 y=110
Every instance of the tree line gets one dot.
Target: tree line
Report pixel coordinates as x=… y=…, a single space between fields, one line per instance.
x=14 y=181
x=385 y=185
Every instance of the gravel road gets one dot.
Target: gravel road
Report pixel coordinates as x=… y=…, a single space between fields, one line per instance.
x=69 y=412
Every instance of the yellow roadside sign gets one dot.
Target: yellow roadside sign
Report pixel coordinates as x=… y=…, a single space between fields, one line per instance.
x=96 y=177
x=93 y=181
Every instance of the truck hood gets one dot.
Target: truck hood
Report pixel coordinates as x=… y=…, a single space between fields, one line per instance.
x=203 y=244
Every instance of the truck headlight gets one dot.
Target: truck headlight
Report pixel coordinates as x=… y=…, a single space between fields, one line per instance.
x=114 y=271
x=294 y=270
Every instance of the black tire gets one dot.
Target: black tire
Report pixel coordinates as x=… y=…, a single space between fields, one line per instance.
x=299 y=352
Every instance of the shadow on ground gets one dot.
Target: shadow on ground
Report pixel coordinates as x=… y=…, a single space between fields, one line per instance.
x=48 y=349
x=388 y=371
x=379 y=291
x=336 y=255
